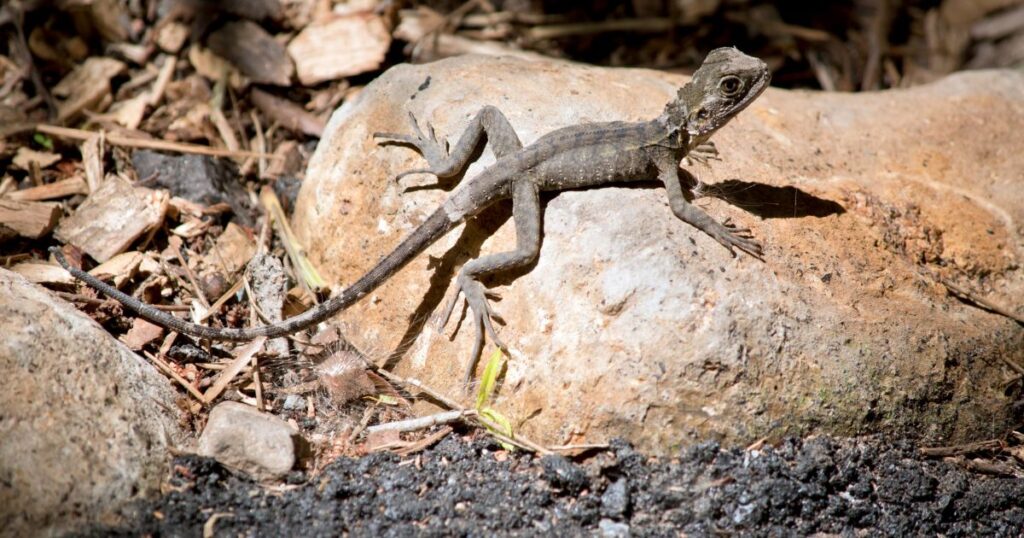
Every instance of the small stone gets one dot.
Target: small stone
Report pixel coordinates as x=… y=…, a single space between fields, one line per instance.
x=294 y=402
x=615 y=500
x=242 y=438
x=613 y=529
x=562 y=474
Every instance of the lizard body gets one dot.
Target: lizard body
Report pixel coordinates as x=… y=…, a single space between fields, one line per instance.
x=587 y=155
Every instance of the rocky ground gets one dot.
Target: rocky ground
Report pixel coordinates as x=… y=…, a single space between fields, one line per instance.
x=820 y=485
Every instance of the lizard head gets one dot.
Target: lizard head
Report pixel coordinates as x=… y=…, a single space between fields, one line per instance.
x=725 y=84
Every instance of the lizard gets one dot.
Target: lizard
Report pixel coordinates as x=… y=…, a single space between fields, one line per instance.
x=578 y=156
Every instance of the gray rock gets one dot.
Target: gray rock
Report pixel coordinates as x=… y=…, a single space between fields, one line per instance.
x=615 y=499
x=633 y=324
x=294 y=402
x=85 y=424
x=613 y=529
x=242 y=438
x=199 y=178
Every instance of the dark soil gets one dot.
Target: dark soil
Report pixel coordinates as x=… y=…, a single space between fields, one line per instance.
x=821 y=485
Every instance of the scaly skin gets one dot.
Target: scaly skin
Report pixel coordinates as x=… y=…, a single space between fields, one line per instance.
x=589 y=155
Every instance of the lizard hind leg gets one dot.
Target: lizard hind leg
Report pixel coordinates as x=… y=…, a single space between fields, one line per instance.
x=526 y=214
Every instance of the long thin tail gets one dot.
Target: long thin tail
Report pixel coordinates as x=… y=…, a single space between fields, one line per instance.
x=431 y=230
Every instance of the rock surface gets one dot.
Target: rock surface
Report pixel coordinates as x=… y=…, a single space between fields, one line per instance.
x=634 y=324
x=242 y=438
x=85 y=424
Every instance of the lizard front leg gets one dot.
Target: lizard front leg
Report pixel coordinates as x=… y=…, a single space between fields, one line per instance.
x=725 y=233
x=489 y=121
x=526 y=215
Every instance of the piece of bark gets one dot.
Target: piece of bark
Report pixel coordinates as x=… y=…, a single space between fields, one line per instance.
x=112 y=217
x=212 y=67
x=290 y=115
x=87 y=86
x=92 y=161
x=269 y=287
x=120 y=268
x=43 y=273
x=26 y=156
x=357 y=45
x=255 y=52
x=49 y=191
x=418 y=27
x=252 y=9
x=171 y=37
x=286 y=161
x=141 y=333
x=233 y=250
x=111 y=19
x=29 y=219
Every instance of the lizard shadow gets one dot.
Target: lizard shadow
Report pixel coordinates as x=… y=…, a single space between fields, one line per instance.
x=769 y=201
x=466 y=247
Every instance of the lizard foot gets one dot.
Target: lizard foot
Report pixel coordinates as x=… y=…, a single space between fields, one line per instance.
x=732 y=236
x=480 y=309
x=703 y=153
x=433 y=150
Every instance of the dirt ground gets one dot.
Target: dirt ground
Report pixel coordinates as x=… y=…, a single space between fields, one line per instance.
x=473 y=488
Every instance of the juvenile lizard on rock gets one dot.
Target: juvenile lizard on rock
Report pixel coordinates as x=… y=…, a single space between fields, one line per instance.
x=587 y=155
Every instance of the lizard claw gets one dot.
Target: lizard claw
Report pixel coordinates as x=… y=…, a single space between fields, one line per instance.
x=427 y=144
x=704 y=153
x=480 y=309
x=733 y=237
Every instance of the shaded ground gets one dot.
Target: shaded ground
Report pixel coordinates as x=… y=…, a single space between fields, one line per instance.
x=848 y=487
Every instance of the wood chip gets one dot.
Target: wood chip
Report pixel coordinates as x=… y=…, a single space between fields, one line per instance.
x=111 y=19
x=254 y=9
x=87 y=86
x=92 y=161
x=287 y=161
x=128 y=112
x=50 y=191
x=357 y=45
x=171 y=37
x=255 y=52
x=29 y=219
x=242 y=358
x=141 y=333
x=113 y=217
x=120 y=268
x=44 y=273
x=288 y=114
x=213 y=67
x=231 y=253
x=26 y=156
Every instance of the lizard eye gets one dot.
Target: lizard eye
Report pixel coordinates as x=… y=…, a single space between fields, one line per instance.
x=730 y=86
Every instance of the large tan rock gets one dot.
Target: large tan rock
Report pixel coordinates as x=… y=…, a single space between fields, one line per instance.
x=85 y=424
x=635 y=324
